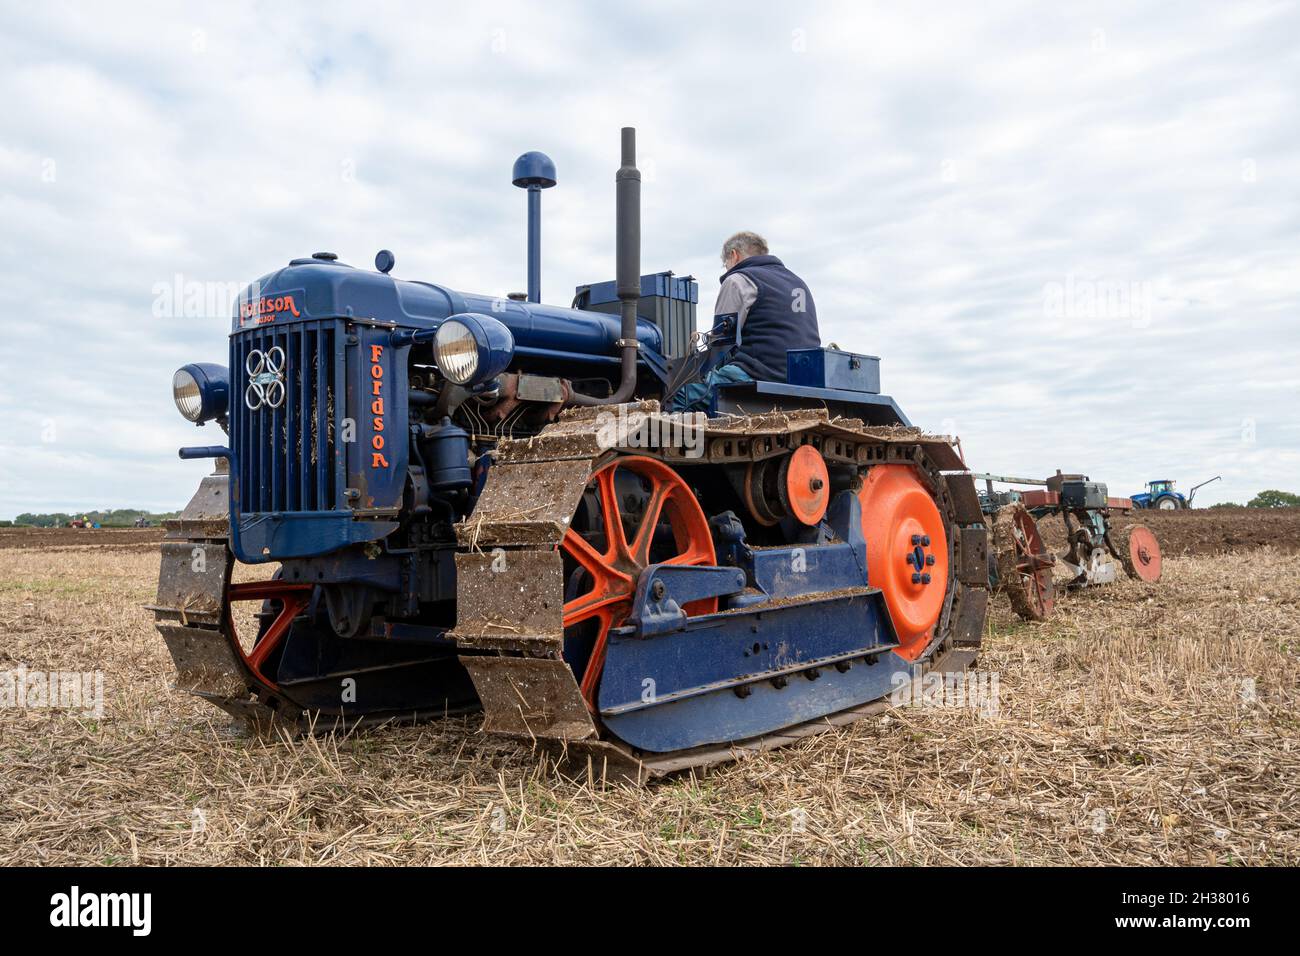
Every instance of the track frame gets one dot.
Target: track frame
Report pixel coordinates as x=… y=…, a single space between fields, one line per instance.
x=527 y=688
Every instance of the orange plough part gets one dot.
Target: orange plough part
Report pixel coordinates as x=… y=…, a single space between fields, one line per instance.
x=1143 y=559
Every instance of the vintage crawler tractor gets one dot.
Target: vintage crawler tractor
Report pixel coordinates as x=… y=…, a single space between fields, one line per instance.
x=480 y=502
x=1021 y=564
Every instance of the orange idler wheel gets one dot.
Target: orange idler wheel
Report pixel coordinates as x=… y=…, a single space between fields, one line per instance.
x=807 y=484
x=907 y=552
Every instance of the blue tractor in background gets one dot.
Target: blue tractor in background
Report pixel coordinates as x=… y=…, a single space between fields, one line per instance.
x=1162 y=496
x=467 y=501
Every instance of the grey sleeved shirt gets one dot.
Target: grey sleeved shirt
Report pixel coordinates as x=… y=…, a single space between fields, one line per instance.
x=736 y=295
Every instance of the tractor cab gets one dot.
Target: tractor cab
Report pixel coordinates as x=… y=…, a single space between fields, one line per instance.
x=1163 y=486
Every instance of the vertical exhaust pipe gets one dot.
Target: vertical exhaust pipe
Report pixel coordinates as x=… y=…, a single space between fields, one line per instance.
x=627 y=277
x=627 y=225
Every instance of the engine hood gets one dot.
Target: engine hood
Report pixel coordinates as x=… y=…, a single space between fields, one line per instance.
x=324 y=289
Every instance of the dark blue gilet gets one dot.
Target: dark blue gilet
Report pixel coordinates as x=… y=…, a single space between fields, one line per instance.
x=774 y=322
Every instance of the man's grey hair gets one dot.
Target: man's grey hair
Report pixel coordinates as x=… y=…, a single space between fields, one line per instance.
x=746 y=243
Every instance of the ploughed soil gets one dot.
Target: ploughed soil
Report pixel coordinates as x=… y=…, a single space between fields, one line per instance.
x=1196 y=531
x=1204 y=530
x=113 y=539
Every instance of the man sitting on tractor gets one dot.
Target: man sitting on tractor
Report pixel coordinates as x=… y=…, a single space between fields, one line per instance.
x=773 y=311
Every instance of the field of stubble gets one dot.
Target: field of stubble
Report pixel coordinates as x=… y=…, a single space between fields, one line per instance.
x=1142 y=725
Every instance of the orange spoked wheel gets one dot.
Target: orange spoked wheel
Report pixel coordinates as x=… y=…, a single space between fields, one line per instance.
x=1139 y=552
x=637 y=512
x=907 y=552
x=1024 y=564
x=288 y=600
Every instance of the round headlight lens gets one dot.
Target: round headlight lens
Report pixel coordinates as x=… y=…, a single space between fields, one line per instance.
x=188 y=395
x=456 y=351
x=201 y=391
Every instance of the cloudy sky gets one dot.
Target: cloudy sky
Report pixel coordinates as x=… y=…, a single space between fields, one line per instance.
x=1072 y=235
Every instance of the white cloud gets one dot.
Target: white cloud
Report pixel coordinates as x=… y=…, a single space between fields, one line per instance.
x=929 y=171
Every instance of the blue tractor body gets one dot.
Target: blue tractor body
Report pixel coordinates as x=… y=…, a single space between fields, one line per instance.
x=1161 y=495
x=466 y=510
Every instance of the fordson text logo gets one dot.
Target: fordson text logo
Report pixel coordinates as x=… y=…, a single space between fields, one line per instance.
x=266 y=308
x=377 y=459
x=265 y=378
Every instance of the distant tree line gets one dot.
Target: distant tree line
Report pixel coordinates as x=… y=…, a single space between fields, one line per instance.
x=111 y=518
x=1272 y=498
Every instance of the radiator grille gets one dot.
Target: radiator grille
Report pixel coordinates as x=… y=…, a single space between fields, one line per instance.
x=289 y=457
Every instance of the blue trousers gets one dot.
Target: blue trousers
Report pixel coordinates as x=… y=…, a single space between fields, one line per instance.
x=697 y=396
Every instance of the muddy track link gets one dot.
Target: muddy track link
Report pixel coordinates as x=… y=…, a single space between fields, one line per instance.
x=190 y=609
x=191 y=612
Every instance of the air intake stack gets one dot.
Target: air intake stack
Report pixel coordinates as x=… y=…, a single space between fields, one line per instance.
x=534 y=171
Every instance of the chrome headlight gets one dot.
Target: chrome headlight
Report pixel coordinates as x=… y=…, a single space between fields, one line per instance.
x=455 y=351
x=201 y=391
x=469 y=348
